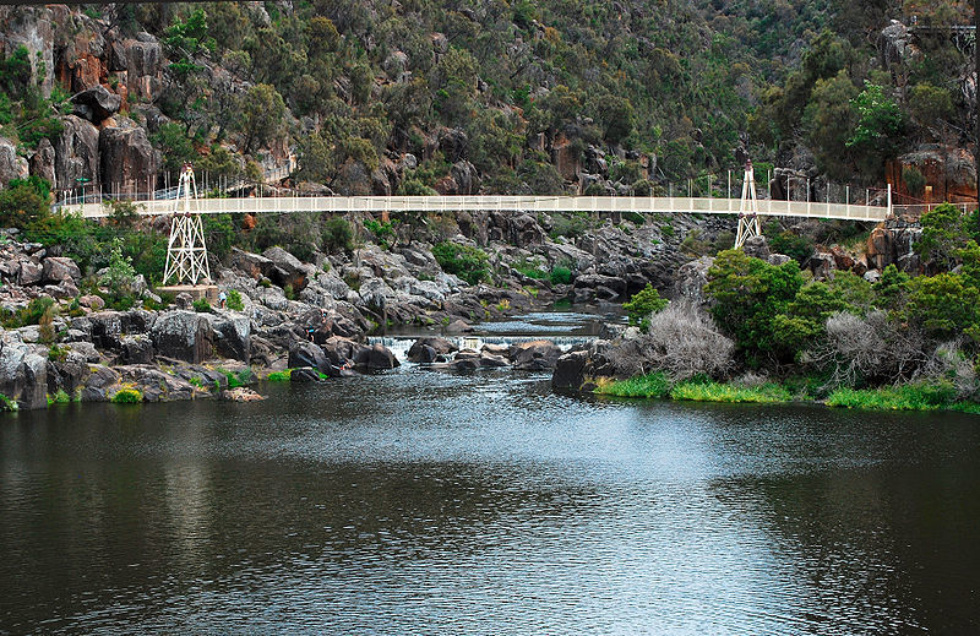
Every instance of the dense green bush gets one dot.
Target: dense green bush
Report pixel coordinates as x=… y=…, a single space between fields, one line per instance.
x=469 y=263
x=127 y=396
x=561 y=275
x=235 y=300
x=645 y=302
x=337 y=235
x=201 y=305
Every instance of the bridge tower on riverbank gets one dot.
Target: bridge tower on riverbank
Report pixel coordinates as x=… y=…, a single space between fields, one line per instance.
x=748 y=217
x=187 y=255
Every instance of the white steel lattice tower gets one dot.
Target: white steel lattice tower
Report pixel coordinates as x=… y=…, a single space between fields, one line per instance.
x=748 y=219
x=187 y=255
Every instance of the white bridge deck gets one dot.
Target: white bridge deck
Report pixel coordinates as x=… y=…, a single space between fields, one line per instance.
x=449 y=204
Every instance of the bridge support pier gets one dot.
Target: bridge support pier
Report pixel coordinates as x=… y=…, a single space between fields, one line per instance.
x=187 y=254
x=748 y=217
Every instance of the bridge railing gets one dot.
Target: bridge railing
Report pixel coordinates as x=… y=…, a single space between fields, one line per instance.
x=552 y=204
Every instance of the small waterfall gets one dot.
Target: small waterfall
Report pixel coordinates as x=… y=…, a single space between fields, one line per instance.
x=399 y=345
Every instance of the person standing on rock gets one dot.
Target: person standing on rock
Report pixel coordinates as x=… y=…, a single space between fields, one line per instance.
x=222 y=299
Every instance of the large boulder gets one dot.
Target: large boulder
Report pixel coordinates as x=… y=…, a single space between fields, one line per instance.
x=466 y=177
x=521 y=230
x=429 y=349
x=691 y=279
x=76 y=152
x=106 y=329
x=570 y=371
x=538 y=355
x=287 y=269
x=96 y=104
x=97 y=383
x=252 y=265
x=128 y=162
x=30 y=273
x=59 y=268
x=136 y=349
x=375 y=358
x=12 y=166
x=23 y=375
x=232 y=337
x=578 y=370
x=340 y=351
x=43 y=160
x=303 y=353
x=183 y=335
x=143 y=60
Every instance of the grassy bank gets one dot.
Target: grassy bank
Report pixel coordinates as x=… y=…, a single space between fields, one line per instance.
x=911 y=397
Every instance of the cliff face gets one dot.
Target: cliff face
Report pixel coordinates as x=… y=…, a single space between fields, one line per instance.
x=102 y=141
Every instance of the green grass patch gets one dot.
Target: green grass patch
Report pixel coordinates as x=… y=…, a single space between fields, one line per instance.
x=717 y=392
x=912 y=397
x=654 y=385
x=279 y=376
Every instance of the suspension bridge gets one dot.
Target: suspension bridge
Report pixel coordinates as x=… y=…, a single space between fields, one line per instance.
x=187 y=260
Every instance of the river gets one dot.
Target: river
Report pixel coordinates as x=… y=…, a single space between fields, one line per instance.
x=417 y=502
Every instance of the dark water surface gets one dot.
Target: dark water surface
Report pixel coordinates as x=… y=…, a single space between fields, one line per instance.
x=423 y=503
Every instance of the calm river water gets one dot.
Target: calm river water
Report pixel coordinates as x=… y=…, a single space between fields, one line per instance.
x=416 y=502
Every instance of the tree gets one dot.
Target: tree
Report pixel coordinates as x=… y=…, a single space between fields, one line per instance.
x=618 y=118
x=748 y=294
x=944 y=231
x=880 y=128
x=642 y=305
x=828 y=120
x=263 y=116
x=24 y=202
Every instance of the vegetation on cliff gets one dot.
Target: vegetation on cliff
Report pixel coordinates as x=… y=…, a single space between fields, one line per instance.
x=901 y=342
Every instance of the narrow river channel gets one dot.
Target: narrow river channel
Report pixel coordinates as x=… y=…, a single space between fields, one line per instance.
x=417 y=502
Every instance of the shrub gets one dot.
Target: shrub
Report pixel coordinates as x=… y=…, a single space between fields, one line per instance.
x=642 y=304
x=799 y=248
x=570 y=226
x=561 y=275
x=127 y=396
x=235 y=300
x=337 y=235
x=382 y=231
x=681 y=342
x=60 y=397
x=858 y=349
x=469 y=263
x=237 y=378
x=6 y=404
x=530 y=269
x=201 y=305
x=279 y=376
x=29 y=315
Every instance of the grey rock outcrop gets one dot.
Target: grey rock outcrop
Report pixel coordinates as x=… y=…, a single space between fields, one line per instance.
x=76 y=153
x=538 y=355
x=96 y=104
x=23 y=374
x=12 y=166
x=183 y=335
x=427 y=350
x=127 y=161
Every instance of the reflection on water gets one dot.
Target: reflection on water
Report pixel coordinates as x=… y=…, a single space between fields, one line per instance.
x=418 y=502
